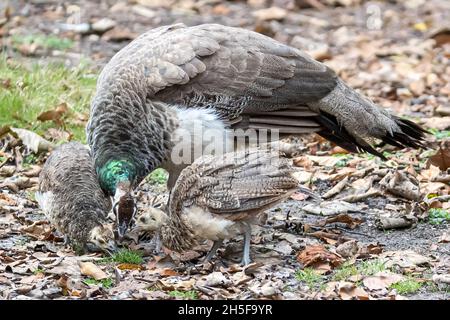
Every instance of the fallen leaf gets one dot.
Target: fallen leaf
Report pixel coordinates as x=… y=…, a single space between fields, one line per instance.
x=129 y=266
x=350 y=221
x=118 y=34
x=272 y=13
x=442 y=157
x=54 y=115
x=348 y=291
x=403 y=184
x=328 y=208
x=32 y=140
x=381 y=280
x=168 y=272
x=315 y=255
x=395 y=221
x=336 y=189
x=91 y=270
x=445 y=237
x=403 y=259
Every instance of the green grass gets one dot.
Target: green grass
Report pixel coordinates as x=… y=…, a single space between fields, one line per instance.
x=43 y=41
x=371 y=267
x=345 y=271
x=408 y=286
x=29 y=160
x=127 y=256
x=440 y=134
x=311 y=278
x=438 y=215
x=191 y=294
x=37 y=88
x=158 y=177
x=105 y=283
x=38 y=271
x=365 y=268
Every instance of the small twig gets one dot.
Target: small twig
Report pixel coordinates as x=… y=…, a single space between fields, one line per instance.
x=353 y=232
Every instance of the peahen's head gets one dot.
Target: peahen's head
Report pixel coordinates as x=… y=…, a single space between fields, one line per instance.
x=117 y=178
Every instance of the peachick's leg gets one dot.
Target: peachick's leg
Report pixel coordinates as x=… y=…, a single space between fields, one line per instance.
x=66 y=241
x=157 y=242
x=247 y=237
x=213 y=250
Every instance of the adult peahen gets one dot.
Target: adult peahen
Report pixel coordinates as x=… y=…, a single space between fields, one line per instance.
x=172 y=79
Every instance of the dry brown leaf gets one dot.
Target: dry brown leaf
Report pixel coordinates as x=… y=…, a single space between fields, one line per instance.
x=442 y=157
x=403 y=184
x=370 y=249
x=314 y=256
x=404 y=259
x=445 y=237
x=441 y=36
x=336 y=189
x=272 y=13
x=329 y=208
x=381 y=280
x=91 y=270
x=168 y=272
x=348 y=291
x=395 y=221
x=39 y=230
x=55 y=115
x=129 y=266
x=118 y=34
x=32 y=140
x=304 y=162
x=351 y=222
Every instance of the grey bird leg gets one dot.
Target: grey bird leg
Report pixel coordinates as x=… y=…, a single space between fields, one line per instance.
x=213 y=250
x=66 y=242
x=247 y=237
x=157 y=242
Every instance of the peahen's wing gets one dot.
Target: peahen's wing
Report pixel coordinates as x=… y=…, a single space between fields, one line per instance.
x=247 y=182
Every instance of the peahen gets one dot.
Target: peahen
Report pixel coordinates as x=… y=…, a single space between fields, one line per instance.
x=71 y=198
x=220 y=197
x=173 y=79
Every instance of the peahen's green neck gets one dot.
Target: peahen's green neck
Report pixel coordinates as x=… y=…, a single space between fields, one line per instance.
x=115 y=171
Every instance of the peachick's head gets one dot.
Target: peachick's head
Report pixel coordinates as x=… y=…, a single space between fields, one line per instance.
x=151 y=218
x=101 y=238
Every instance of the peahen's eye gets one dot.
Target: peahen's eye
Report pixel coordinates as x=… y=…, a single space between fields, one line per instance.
x=158 y=205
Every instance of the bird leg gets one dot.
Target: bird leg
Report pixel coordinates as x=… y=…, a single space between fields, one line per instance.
x=213 y=250
x=157 y=242
x=247 y=237
x=67 y=242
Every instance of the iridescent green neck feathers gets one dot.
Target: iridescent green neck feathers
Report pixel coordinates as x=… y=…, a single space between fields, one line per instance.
x=115 y=171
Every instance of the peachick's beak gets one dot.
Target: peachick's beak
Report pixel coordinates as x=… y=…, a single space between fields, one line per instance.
x=111 y=248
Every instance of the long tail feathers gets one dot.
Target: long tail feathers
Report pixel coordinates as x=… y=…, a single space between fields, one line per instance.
x=411 y=135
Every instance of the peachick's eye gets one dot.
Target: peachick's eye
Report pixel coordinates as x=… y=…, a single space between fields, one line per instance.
x=142 y=219
x=158 y=205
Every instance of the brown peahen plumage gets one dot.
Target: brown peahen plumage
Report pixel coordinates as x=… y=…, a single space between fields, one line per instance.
x=175 y=78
